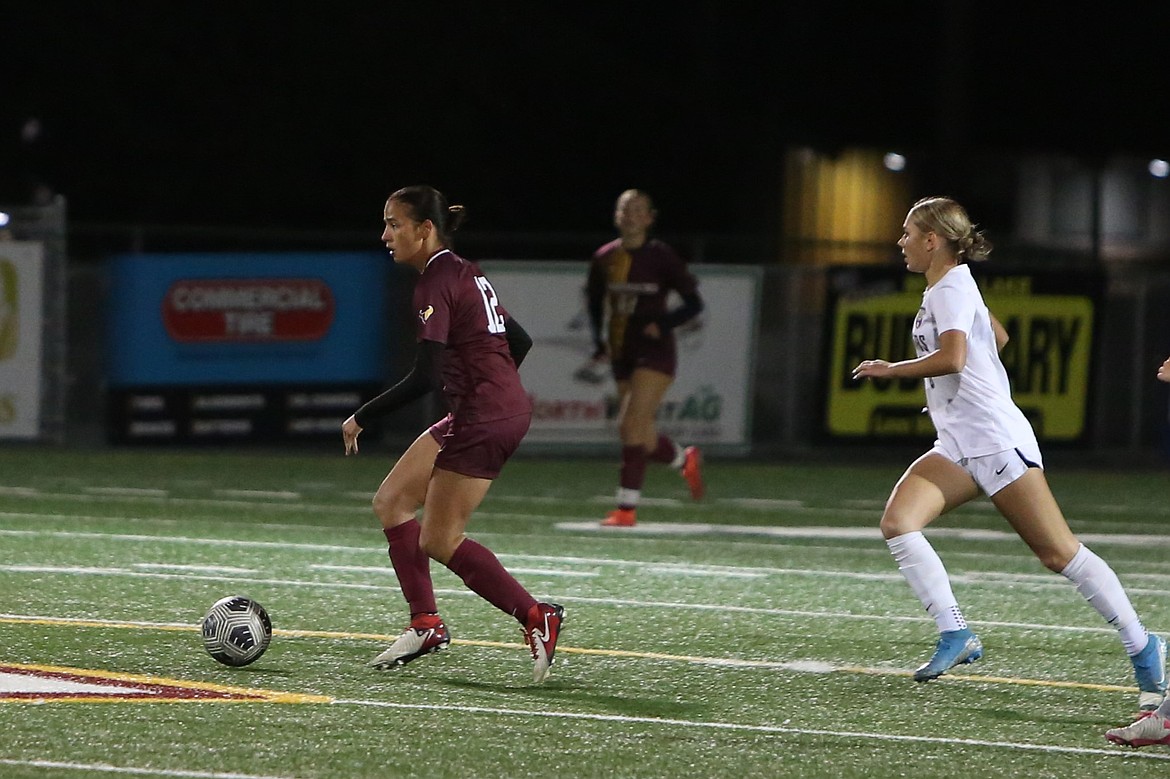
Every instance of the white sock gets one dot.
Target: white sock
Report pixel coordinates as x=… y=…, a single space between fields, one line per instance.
x=680 y=456
x=927 y=577
x=627 y=498
x=1099 y=585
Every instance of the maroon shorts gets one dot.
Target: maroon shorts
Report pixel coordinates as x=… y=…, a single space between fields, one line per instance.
x=655 y=355
x=478 y=450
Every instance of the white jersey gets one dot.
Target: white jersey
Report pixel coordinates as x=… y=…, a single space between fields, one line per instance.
x=972 y=410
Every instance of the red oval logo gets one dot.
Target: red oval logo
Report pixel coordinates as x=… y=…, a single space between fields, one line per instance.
x=247 y=310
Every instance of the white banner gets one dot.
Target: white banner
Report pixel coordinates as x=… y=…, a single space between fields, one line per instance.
x=21 y=304
x=710 y=400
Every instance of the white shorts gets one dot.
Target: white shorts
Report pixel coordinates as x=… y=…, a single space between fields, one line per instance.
x=993 y=472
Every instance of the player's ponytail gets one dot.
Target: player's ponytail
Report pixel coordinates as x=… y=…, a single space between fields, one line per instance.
x=425 y=203
x=944 y=217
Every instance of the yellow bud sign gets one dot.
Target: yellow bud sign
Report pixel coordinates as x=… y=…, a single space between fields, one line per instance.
x=1050 y=322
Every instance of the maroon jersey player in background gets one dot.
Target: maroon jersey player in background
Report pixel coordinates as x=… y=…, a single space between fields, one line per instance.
x=634 y=274
x=470 y=348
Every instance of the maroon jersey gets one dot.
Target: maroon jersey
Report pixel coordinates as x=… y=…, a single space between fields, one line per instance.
x=636 y=284
x=457 y=306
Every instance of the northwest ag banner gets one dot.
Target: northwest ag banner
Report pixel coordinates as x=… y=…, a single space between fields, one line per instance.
x=22 y=274
x=1050 y=319
x=575 y=403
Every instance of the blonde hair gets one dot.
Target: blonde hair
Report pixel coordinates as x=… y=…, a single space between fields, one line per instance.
x=947 y=219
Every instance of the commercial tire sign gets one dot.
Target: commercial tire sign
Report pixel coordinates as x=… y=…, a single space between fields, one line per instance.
x=1050 y=319
x=247 y=310
x=242 y=347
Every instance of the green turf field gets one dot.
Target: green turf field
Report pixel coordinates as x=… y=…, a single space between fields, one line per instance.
x=762 y=632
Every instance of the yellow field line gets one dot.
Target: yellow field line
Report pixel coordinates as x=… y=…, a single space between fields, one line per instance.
x=568 y=650
x=272 y=696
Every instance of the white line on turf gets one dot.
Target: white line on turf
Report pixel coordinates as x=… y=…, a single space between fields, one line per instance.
x=643 y=528
x=1008 y=580
x=848 y=507
x=105 y=768
x=768 y=729
x=382 y=569
x=127 y=492
x=280 y=494
x=604 y=602
x=200 y=568
x=850 y=533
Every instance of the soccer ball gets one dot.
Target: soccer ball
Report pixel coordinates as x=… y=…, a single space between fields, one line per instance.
x=236 y=630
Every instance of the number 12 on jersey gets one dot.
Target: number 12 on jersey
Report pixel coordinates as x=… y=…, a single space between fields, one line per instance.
x=495 y=320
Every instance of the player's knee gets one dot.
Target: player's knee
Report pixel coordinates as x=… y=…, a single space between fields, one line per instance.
x=634 y=429
x=1054 y=559
x=895 y=523
x=391 y=508
x=436 y=546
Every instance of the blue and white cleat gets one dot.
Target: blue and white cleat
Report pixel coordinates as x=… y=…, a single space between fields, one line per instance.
x=954 y=647
x=1149 y=669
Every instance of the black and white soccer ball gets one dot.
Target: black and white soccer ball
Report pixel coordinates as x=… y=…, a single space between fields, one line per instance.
x=236 y=630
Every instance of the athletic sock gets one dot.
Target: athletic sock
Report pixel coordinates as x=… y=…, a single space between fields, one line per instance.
x=924 y=572
x=411 y=566
x=668 y=452
x=633 y=475
x=484 y=575
x=1099 y=585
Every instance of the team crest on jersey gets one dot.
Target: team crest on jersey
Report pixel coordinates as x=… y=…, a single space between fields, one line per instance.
x=425 y=313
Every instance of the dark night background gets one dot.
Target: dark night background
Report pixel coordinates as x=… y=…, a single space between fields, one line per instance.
x=535 y=115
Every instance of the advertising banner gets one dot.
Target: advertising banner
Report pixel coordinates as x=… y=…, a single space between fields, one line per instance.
x=1050 y=319
x=22 y=278
x=243 y=346
x=575 y=403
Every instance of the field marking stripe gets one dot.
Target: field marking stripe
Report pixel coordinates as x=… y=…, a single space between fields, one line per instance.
x=648 y=528
x=775 y=729
x=850 y=507
x=723 y=662
x=980 y=578
x=589 y=524
x=148 y=679
x=575 y=598
x=117 y=769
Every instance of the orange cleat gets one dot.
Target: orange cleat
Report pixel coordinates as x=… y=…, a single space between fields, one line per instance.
x=620 y=518
x=692 y=471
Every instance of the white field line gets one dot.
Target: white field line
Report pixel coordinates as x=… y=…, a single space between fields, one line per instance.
x=198 y=568
x=479 y=533
x=693 y=571
x=795 y=666
x=123 y=492
x=377 y=570
x=286 y=499
x=866 y=533
x=1008 y=580
x=105 y=768
x=663 y=722
x=989 y=579
x=285 y=495
x=766 y=729
x=603 y=602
